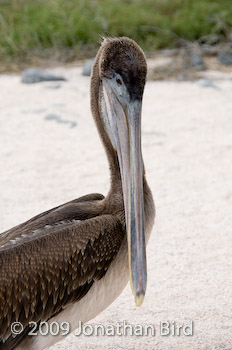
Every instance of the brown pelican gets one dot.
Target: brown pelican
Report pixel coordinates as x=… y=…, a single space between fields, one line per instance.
x=69 y=263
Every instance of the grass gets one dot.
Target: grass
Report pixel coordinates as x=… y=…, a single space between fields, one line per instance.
x=30 y=26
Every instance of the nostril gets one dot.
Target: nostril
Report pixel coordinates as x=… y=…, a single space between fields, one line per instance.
x=119 y=82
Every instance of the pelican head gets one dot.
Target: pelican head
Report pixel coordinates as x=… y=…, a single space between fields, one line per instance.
x=122 y=74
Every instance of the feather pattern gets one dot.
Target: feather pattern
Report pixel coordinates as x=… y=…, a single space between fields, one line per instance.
x=38 y=279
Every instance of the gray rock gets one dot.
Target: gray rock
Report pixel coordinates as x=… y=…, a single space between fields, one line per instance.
x=225 y=58
x=33 y=75
x=58 y=119
x=197 y=62
x=88 y=67
x=205 y=83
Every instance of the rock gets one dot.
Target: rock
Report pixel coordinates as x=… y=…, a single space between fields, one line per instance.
x=197 y=62
x=225 y=58
x=205 y=83
x=33 y=75
x=58 y=119
x=88 y=67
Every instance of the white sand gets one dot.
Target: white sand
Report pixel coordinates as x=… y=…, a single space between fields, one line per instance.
x=187 y=148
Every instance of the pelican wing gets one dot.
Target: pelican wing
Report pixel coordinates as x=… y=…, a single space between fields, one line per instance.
x=42 y=272
x=82 y=208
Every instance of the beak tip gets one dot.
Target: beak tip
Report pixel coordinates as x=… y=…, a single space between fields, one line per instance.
x=139 y=297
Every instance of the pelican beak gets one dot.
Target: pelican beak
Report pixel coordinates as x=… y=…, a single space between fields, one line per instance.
x=124 y=130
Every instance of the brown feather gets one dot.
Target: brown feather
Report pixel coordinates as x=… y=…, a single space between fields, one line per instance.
x=106 y=234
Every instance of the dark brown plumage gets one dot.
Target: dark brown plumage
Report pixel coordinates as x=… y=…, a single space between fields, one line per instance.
x=53 y=259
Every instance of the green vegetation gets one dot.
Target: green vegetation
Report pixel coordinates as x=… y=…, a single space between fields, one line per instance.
x=29 y=25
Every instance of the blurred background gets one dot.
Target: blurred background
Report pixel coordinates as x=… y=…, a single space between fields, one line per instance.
x=37 y=32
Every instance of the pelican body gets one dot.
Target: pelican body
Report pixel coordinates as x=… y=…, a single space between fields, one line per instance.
x=69 y=263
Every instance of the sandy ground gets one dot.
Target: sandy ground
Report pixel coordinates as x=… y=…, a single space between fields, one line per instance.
x=50 y=153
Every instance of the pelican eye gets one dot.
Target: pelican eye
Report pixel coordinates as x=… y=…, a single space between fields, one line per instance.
x=119 y=81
